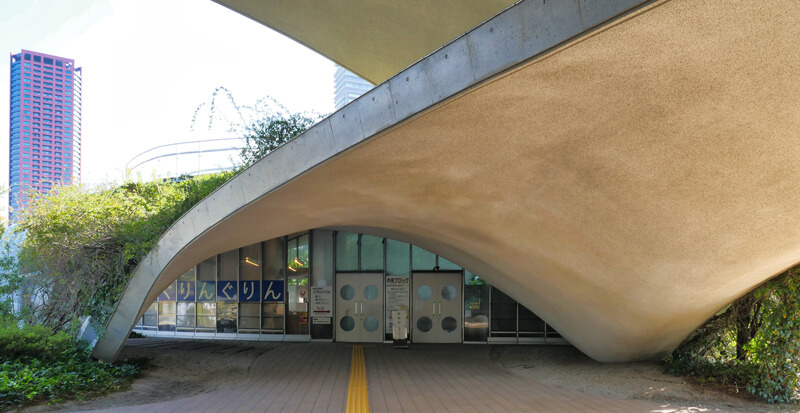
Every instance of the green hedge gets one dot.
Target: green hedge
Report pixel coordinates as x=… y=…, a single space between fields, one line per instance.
x=38 y=366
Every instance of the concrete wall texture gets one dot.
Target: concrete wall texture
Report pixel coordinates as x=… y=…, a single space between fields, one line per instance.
x=623 y=169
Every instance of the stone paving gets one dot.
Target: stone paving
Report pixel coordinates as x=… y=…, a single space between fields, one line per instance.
x=313 y=377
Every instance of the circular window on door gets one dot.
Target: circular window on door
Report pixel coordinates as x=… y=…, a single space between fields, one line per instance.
x=449 y=324
x=449 y=293
x=424 y=293
x=347 y=323
x=348 y=292
x=370 y=323
x=371 y=292
x=424 y=324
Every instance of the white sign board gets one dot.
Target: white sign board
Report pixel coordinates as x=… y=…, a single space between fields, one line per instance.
x=321 y=301
x=397 y=287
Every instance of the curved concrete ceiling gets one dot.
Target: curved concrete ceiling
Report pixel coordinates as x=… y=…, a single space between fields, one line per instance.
x=372 y=38
x=624 y=185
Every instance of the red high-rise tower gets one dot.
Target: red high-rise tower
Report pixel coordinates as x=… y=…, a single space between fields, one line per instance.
x=44 y=127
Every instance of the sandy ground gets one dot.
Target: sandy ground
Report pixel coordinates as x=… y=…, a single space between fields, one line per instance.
x=178 y=369
x=184 y=368
x=565 y=366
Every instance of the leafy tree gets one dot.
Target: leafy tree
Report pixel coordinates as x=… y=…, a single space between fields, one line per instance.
x=270 y=132
x=263 y=126
x=753 y=345
x=81 y=245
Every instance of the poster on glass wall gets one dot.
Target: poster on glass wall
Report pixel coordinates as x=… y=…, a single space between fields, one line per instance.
x=397 y=287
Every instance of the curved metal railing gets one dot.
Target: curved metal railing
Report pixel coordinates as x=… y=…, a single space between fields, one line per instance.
x=186 y=158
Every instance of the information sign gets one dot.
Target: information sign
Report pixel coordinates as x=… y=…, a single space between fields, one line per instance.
x=321 y=301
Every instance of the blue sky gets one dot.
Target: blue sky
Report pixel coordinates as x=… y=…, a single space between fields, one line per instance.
x=148 y=64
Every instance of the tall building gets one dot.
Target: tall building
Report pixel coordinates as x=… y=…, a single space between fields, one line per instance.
x=348 y=87
x=44 y=127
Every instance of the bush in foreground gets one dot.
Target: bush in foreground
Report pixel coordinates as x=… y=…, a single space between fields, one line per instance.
x=38 y=366
x=753 y=345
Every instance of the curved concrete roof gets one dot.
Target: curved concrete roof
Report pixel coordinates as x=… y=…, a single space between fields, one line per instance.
x=624 y=185
x=372 y=38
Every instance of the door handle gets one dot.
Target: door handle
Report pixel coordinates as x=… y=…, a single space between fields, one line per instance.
x=355 y=308
x=362 y=308
x=440 y=308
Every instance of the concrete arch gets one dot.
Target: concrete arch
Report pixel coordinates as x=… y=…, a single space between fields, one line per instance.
x=617 y=180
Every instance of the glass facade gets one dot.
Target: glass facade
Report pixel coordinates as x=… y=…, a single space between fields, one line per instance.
x=240 y=293
x=347 y=87
x=45 y=125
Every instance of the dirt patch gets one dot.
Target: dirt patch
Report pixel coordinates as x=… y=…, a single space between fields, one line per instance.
x=567 y=367
x=177 y=369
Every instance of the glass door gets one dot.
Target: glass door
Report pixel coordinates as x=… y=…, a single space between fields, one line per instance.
x=297 y=292
x=359 y=307
x=438 y=308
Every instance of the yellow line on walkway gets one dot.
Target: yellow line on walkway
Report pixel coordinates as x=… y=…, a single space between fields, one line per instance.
x=357 y=397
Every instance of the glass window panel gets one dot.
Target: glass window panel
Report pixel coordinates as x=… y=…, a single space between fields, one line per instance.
x=206 y=322
x=297 y=300
x=272 y=324
x=249 y=315
x=272 y=309
x=272 y=317
x=207 y=315
x=251 y=262
x=530 y=322
x=249 y=310
x=151 y=315
x=398 y=256
x=187 y=276
x=249 y=323
x=476 y=308
x=302 y=250
x=186 y=315
x=447 y=264
x=229 y=266
x=346 y=251
x=186 y=309
x=422 y=260
x=274 y=267
x=207 y=270
x=166 y=316
x=504 y=312
x=207 y=309
x=297 y=294
x=226 y=317
x=297 y=254
x=291 y=248
x=371 y=253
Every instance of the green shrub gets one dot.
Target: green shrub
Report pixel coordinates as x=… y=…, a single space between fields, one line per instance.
x=40 y=366
x=765 y=361
x=81 y=245
x=34 y=342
